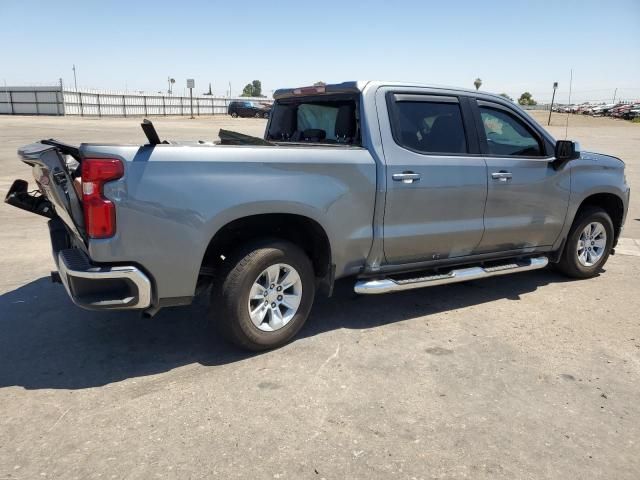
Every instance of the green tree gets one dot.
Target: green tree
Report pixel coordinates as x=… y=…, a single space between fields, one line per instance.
x=506 y=96
x=526 y=99
x=257 y=88
x=319 y=84
x=253 y=89
x=247 y=91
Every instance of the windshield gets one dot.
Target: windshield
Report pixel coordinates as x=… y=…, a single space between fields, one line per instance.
x=325 y=120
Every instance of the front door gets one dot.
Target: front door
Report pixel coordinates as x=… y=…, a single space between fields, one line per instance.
x=527 y=198
x=436 y=180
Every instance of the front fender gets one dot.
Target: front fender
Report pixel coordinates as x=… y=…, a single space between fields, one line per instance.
x=594 y=174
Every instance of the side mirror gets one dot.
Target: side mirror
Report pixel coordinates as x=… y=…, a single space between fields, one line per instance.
x=565 y=150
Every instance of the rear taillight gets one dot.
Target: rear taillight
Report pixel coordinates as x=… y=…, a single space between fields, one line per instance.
x=99 y=212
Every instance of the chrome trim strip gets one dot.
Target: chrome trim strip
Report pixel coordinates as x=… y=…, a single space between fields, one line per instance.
x=135 y=275
x=387 y=285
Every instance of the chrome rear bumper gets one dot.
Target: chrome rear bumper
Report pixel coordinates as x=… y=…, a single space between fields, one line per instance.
x=100 y=287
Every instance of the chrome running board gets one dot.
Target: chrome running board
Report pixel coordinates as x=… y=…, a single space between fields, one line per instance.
x=386 y=285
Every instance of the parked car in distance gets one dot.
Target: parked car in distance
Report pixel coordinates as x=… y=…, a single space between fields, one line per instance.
x=619 y=111
x=242 y=108
x=396 y=185
x=632 y=112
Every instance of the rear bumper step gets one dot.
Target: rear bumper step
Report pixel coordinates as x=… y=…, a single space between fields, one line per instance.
x=98 y=287
x=387 y=285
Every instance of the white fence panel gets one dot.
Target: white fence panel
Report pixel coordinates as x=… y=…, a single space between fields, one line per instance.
x=31 y=101
x=108 y=103
x=126 y=104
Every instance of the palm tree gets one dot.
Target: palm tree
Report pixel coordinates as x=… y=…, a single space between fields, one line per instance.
x=477 y=83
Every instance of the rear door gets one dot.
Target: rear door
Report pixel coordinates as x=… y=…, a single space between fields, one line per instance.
x=527 y=198
x=436 y=179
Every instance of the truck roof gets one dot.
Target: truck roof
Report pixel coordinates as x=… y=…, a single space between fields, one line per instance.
x=358 y=86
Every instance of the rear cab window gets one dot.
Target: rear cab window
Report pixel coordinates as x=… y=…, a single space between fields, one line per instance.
x=328 y=120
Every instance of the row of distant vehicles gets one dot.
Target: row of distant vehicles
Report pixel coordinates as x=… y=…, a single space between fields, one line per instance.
x=627 y=111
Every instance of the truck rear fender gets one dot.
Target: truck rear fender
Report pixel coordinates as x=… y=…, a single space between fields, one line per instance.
x=297 y=228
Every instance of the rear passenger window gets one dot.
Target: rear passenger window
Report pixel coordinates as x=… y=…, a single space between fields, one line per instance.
x=506 y=135
x=429 y=127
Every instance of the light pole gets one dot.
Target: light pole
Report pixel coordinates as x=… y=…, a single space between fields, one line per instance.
x=170 y=81
x=555 y=85
x=75 y=80
x=477 y=82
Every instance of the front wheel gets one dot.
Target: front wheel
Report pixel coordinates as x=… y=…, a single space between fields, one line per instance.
x=588 y=244
x=263 y=294
x=234 y=115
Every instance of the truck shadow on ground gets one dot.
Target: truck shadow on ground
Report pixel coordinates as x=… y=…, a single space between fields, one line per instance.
x=47 y=342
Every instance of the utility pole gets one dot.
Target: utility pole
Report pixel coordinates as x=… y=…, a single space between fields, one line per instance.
x=555 y=85
x=614 y=95
x=61 y=99
x=75 y=80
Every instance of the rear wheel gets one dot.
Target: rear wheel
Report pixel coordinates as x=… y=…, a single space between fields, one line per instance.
x=263 y=294
x=258 y=115
x=588 y=244
x=234 y=115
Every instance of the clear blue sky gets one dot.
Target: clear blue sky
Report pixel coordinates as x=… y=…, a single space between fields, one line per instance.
x=512 y=45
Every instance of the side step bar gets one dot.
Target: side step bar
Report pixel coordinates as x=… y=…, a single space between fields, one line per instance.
x=387 y=285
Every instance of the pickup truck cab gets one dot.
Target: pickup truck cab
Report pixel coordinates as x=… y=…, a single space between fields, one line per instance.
x=399 y=186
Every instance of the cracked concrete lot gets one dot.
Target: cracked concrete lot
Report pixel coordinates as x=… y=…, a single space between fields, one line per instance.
x=528 y=376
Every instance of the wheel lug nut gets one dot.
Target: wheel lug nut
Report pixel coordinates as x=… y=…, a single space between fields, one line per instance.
x=279 y=288
x=272 y=285
x=273 y=305
x=279 y=298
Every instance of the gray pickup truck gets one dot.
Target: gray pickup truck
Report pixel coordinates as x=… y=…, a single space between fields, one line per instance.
x=400 y=186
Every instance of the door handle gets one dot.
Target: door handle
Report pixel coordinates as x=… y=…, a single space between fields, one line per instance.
x=406 y=177
x=502 y=176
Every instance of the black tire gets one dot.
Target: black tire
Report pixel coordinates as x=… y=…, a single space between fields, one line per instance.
x=258 y=115
x=266 y=115
x=234 y=115
x=232 y=285
x=569 y=263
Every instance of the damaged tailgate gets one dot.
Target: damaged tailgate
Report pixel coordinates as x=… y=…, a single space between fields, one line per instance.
x=53 y=164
